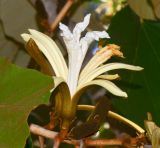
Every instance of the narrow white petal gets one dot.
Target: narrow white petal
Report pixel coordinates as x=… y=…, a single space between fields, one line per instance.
x=53 y=50
x=107 y=67
x=97 y=34
x=80 y=27
x=101 y=56
x=90 y=37
x=94 y=62
x=108 y=85
x=66 y=33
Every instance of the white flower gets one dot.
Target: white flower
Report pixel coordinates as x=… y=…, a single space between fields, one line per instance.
x=77 y=48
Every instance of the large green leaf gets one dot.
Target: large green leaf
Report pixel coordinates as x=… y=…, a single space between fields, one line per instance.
x=140 y=42
x=21 y=90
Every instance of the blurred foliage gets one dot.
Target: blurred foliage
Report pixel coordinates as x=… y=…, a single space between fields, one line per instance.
x=139 y=41
x=6 y=45
x=152 y=131
x=146 y=9
x=17 y=16
x=156 y=7
x=142 y=8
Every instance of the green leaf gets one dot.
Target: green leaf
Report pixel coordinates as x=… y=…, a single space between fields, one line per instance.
x=21 y=91
x=140 y=43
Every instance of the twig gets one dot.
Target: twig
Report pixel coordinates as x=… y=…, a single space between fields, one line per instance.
x=121 y=142
x=41 y=141
x=57 y=142
x=116 y=116
x=52 y=122
x=91 y=142
x=61 y=15
x=53 y=135
x=38 y=130
x=74 y=142
x=129 y=141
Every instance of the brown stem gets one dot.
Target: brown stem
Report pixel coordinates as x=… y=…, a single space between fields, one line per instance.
x=52 y=123
x=74 y=142
x=124 y=141
x=61 y=15
x=38 y=130
x=90 y=142
x=41 y=141
x=57 y=142
x=129 y=142
x=63 y=134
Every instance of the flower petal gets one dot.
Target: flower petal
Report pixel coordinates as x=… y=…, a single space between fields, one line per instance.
x=107 y=67
x=48 y=53
x=108 y=77
x=75 y=54
x=108 y=85
x=43 y=48
x=53 y=50
x=66 y=33
x=26 y=37
x=80 y=27
x=90 y=37
x=101 y=56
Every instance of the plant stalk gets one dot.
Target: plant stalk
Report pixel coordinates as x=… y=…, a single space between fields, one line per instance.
x=116 y=116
